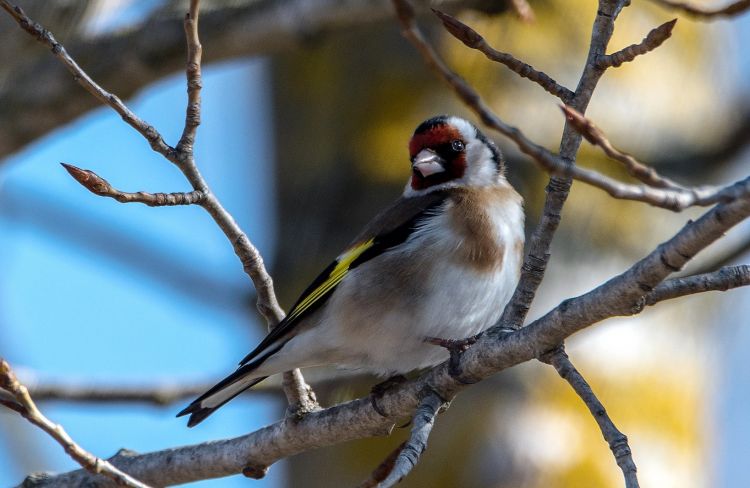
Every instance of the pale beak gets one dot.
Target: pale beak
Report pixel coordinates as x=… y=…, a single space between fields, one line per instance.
x=427 y=163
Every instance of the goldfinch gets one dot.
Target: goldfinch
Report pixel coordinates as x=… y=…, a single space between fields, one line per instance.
x=438 y=264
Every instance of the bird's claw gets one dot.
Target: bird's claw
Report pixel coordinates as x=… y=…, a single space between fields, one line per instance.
x=455 y=348
x=377 y=391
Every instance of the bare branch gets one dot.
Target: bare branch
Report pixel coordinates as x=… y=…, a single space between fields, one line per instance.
x=596 y=136
x=98 y=185
x=154 y=394
x=25 y=406
x=654 y=39
x=408 y=456
x=673 y=195
x=45 y=37
x=472 y=39
x=723 y=279
x=194 y=82
x=706 y=13
x=618 y=442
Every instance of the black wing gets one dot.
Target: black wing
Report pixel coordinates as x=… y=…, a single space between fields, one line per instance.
x=389 y=229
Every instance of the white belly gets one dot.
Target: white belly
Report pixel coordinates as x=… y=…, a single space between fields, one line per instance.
x=378 y=321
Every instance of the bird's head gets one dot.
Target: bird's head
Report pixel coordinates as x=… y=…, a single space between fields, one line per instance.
x=449 y=151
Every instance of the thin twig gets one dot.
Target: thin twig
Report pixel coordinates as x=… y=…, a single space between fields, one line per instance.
x=673 y=195
x=25 y=406
x=635 y=168
x=654 y=39
x=408 y=456
x=183 y=157
x=723 y=279
x=618 y=442
x=472 y=39
x=98 y=185
x=706 y=13
x=194 y=81
x=45 y=37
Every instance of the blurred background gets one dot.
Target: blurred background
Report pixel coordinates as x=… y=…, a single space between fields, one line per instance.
x=307 y=109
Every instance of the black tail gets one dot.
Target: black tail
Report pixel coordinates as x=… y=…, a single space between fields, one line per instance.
x=198 y=412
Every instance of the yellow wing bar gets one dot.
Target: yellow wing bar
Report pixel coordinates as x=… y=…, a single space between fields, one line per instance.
x=338 y=273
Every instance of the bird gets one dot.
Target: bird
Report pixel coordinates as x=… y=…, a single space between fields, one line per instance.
x=435 y=268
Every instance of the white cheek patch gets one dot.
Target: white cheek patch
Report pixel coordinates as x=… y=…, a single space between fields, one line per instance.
x=468 y=132
x=480 y=168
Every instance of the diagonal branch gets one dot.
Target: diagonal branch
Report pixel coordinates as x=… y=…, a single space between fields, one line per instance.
x=671 y=195
x=45 y=37
x=706 y=13
x=99 y=186
x=654 y=39
x=472 y=39
x=408 y=456
x=618 y=442
x=25 y=406
x=722 y=279
x=635 y=168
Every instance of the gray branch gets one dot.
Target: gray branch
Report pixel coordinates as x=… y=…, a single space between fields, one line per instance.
x=618 y=442
x=408 y=456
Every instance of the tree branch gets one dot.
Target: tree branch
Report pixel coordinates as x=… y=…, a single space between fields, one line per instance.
x=408 y=456
x=472 y=39
x=99 y=186
x=670 y=195
x=654 y=39
x=618 y=442
x=538 y=249
x=494 y=351
x=25 y=406
x=45 y=37
x=706 y=13
x=723 y=279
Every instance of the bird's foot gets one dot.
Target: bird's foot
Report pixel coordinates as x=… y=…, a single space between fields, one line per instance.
x=377 y=391
x=455 y=347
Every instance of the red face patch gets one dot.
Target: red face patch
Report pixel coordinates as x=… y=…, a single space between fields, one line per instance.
x=433 y=138
x=439 y=139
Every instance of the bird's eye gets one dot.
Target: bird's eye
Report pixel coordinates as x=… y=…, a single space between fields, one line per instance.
x=457 y=145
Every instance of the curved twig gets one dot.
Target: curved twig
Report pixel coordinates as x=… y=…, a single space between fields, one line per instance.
x=618 y=442
x=25 y=406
